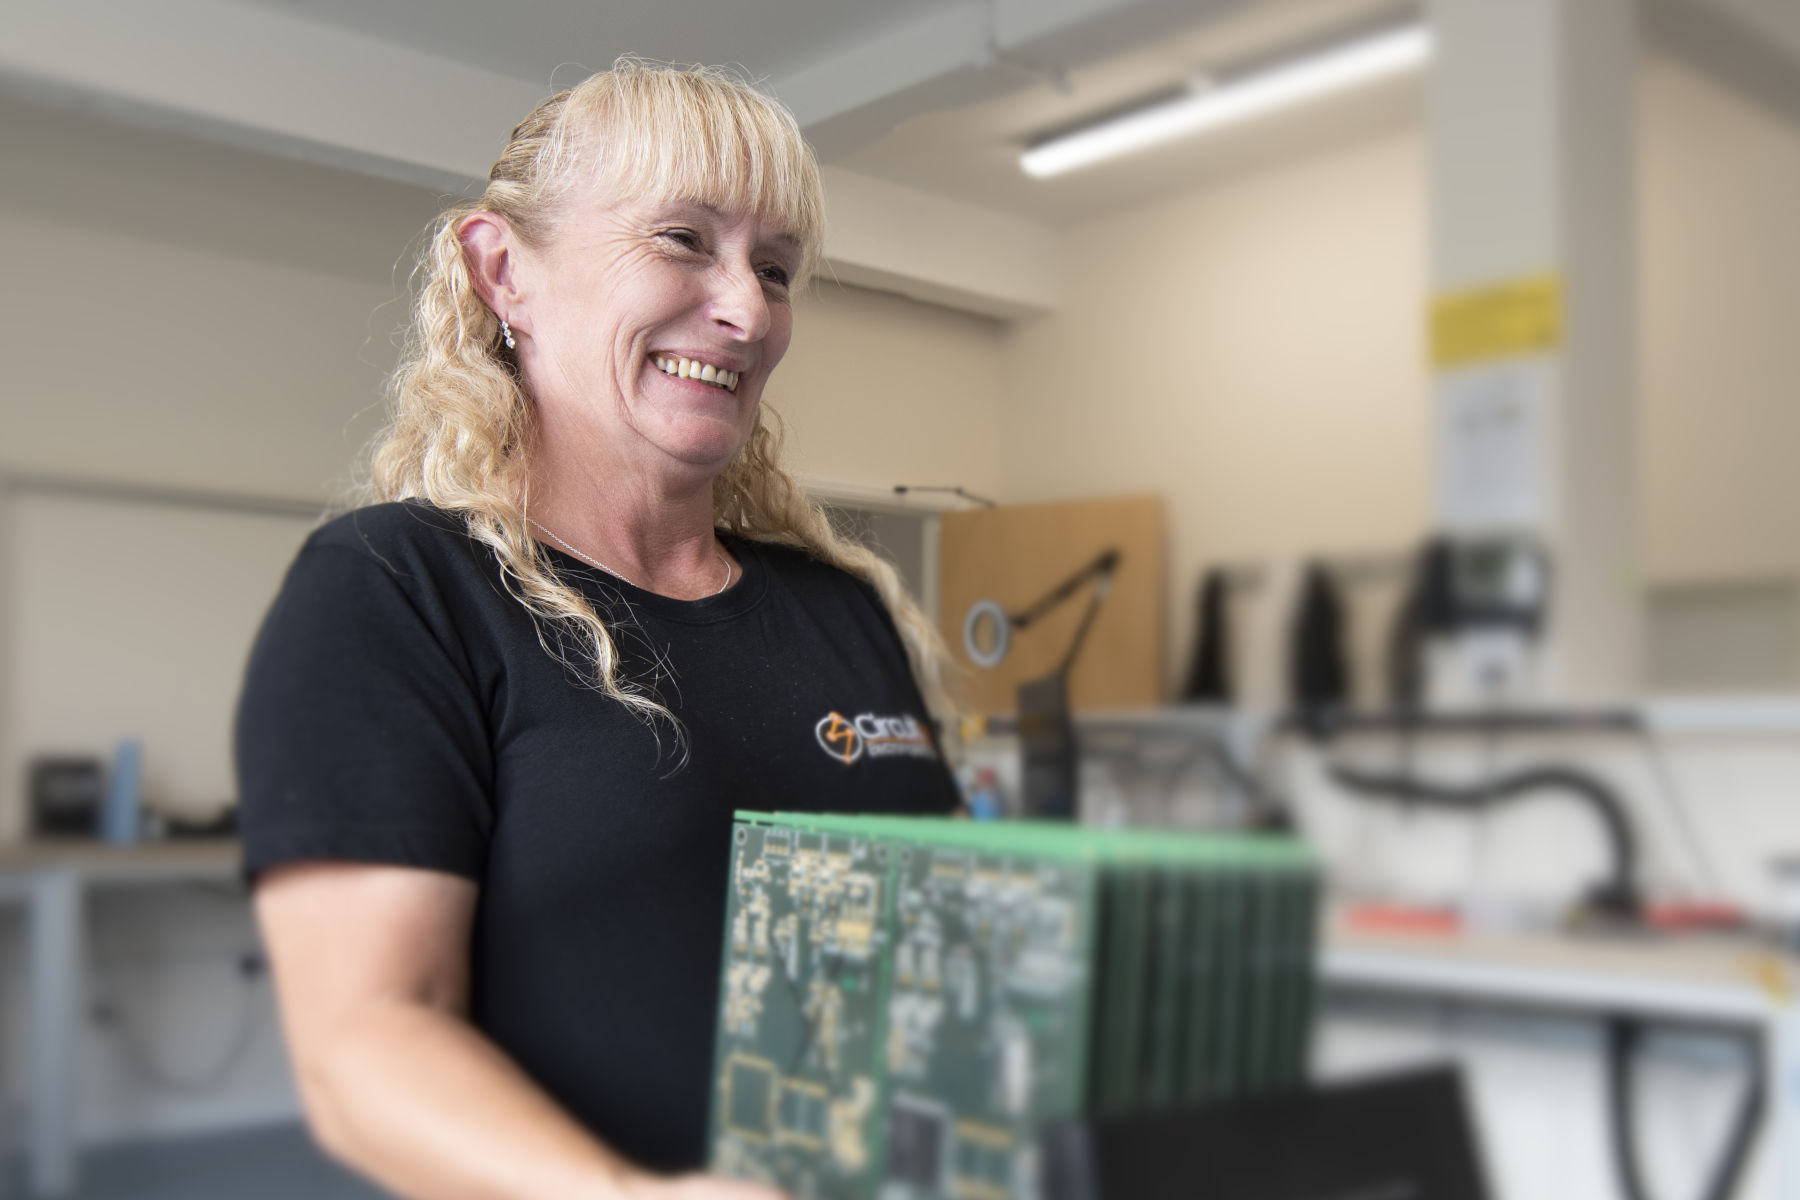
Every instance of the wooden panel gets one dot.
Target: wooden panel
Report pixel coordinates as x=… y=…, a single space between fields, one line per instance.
x=1015 y=554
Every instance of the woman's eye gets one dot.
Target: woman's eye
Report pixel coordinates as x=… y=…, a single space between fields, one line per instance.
x=774 y=274
x=685 y=238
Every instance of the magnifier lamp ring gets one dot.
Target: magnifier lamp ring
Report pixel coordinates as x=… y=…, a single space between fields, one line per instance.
x=995 y=616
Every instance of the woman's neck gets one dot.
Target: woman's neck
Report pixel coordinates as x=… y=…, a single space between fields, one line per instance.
x=652 y=529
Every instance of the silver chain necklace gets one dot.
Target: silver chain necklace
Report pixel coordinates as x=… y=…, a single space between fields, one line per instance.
x=585 y=557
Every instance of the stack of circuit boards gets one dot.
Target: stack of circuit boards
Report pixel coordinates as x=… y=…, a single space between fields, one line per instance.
x=906 y=1002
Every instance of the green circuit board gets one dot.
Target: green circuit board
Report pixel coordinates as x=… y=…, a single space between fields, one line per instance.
x=906 y=1002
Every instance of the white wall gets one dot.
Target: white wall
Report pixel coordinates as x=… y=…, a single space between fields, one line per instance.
x=879 y=390
x=1720 y=363
x=184 y=313
x=1254 y=351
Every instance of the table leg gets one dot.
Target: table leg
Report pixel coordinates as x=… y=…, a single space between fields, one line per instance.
x=1783 y=1128
x=56 y=997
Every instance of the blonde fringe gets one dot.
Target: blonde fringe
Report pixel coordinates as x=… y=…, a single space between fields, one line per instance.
x=461 y=419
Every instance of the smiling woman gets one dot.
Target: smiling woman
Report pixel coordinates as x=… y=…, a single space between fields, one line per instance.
x=617 y=293
x=497 y=722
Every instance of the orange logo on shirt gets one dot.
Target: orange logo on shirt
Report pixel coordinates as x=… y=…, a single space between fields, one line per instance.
x=839 y=738
x=847 y=739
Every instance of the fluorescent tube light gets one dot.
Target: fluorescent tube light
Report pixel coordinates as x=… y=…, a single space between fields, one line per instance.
x=1344 y=66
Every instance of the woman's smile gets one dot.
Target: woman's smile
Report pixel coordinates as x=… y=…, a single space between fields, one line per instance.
x=698 y=370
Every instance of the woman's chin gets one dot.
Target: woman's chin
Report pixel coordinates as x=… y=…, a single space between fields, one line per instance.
x=702 y=441
x=706 y=451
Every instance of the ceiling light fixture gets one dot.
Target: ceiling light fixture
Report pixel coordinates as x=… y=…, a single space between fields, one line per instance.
x=1342 y=66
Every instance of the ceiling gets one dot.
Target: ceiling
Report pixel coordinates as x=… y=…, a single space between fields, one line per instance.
x=972 y=152
x=560 y=41
x=919 y=108
x=959 y=133
x=961 y=142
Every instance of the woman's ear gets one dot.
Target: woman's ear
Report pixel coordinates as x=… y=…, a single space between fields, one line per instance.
x=487 y=250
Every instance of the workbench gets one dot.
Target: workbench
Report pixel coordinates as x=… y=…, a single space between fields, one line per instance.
x=1704 y=982
x=52 y=881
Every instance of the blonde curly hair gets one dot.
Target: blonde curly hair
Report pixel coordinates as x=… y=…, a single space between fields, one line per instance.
x=462 y=419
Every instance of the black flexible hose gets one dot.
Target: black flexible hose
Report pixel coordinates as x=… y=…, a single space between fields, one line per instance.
x=1619 y=894
x=1623 y=1034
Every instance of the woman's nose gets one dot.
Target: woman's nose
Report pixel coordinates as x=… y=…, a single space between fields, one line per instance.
x=740 y=303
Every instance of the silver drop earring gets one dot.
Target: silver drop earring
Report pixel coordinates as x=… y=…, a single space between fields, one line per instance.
x=506 y=335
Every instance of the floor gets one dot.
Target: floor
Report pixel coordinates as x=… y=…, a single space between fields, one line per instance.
x=271 y=1163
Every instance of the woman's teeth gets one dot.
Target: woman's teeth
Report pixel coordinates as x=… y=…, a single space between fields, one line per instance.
x=688 y=368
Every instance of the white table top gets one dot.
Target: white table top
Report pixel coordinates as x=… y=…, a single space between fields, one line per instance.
x=1696 y=977
x=1700 y=977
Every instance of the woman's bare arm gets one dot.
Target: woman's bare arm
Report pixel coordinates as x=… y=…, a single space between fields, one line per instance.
x=371 y=965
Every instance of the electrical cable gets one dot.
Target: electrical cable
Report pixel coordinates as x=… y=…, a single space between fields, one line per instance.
x=1210 y=748
x=134 y=1051
x=1408 y=722
x=143 y=1066
x=1679 y=811
x=1619 y=894
x=1482 y=834
x=1266 y=763
x=1623 y=1037
x=1266 y=807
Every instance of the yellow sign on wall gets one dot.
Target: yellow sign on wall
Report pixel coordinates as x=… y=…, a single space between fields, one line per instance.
x=1516 y=319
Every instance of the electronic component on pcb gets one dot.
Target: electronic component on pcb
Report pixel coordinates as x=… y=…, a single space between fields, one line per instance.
x=906 y=1002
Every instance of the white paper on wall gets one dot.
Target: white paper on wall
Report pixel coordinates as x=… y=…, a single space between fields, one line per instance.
x=1494 y=445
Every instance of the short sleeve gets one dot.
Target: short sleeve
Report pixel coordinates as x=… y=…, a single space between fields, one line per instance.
x=361 y=732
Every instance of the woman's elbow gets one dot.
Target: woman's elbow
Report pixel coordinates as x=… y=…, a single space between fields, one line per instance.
x=326 y=1080
x=322 y=1122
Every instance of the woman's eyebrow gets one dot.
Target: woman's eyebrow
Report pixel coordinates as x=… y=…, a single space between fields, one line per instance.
x=670 y=208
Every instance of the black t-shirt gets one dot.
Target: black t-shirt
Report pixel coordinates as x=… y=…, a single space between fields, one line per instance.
x=399 y=709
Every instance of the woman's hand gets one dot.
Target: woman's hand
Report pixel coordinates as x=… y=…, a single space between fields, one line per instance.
x=705 y=1187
